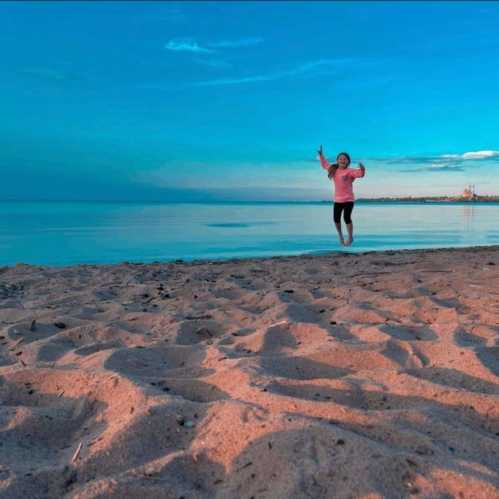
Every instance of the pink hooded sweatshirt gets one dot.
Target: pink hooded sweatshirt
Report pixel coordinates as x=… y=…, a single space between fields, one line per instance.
x=343 y=181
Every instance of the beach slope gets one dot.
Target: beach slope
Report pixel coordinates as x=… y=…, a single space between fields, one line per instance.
x=340 y=375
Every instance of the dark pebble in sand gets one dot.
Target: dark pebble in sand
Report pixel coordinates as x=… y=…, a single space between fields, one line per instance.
x=289 y=290
x=72 y=478
x=60 y=325
x=204 y=331
x=340 y=442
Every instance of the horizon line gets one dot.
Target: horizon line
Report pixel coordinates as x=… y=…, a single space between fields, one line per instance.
x=449 y=198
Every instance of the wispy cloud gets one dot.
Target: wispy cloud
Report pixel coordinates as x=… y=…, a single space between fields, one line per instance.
x=435 y=169
x=473 y=155
x=447 y=158
x=444 y=162
x=242 y=42
x=236 y=81
x=321 y=66
x=186 y=45
x=191 y=45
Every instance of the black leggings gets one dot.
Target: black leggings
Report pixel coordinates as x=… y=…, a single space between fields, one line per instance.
x=339 y=207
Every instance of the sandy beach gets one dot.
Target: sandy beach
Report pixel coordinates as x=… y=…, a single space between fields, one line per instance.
x=340 y=375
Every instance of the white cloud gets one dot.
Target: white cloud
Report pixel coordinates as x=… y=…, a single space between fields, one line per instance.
x=472 y=155
x=186 y=45
x=243 y=42
x=191 y=45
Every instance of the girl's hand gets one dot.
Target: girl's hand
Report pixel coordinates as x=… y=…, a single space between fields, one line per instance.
x=320 y=150
x=361 y=166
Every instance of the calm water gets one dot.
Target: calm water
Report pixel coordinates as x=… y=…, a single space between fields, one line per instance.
x=68 y=233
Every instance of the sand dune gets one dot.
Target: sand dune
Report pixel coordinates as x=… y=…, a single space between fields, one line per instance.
x=343 y=375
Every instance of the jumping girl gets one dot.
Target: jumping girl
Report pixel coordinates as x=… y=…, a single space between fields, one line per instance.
x=343 y=178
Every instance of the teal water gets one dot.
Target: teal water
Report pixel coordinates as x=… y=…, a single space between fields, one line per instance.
x=71 y=233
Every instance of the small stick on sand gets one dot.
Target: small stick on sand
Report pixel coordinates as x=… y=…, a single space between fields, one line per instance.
x=278 y=323
x=77 y=453
x=362 y=274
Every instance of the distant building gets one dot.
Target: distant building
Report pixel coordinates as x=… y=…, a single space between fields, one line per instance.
x=469 y=193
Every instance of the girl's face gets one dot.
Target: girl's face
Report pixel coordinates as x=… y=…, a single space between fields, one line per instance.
x=342 y=161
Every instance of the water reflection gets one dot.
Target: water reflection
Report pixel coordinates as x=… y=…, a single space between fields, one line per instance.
x=468 y=213
x=60 y=234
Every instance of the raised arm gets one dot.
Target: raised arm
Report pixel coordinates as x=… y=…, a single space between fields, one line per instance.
x=358 y=172
x=324 y=162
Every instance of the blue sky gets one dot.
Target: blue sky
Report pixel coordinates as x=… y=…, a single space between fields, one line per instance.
x=228 y=100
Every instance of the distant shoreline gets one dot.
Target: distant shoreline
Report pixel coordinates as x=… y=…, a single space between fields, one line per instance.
x=435 y=199
x=395 y=200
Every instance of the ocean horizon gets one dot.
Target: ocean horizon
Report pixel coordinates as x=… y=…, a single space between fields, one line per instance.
x=68 y=233
x=417 y=201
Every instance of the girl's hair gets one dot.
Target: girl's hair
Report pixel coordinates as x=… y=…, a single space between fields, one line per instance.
x=332 y=170
x=334 y=167
x=344 y=154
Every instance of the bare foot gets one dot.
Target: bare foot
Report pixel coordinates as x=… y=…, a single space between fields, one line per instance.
x=349 y=242
x=342 y=241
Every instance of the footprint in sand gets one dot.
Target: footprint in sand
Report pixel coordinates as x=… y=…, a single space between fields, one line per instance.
x=455 y=379
x=191 y=332
x=409 y=333
x=156 y=361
